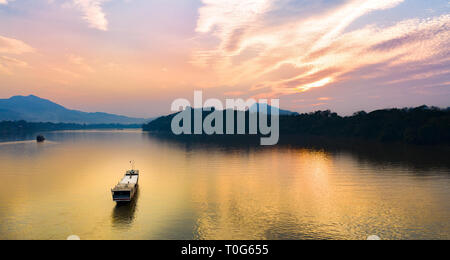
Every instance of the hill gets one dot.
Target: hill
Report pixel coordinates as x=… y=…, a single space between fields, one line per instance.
x=281 y=112
x=422 y=125
x=34 y=109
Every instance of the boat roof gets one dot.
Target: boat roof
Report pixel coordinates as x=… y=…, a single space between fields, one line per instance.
x=133 y=179
x=123 y=187
x=127 y=183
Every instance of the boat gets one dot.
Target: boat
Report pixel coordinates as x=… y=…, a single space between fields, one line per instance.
x=40 y=138
x=126 y=189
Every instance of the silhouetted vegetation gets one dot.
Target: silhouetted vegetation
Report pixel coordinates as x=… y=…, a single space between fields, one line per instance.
x=422 y=125
x=22 y=127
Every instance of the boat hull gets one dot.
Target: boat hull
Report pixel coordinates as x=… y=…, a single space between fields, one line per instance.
x=124 y=196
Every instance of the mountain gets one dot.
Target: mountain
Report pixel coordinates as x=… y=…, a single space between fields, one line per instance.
x=281 y=112
x=35 y=109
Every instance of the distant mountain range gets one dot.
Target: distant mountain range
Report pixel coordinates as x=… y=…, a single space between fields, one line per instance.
x=281 y=112
x=35 y=109
x=256 y=108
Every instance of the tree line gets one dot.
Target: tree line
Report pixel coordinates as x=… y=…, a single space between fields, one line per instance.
x=421 y=125
x=23 y=127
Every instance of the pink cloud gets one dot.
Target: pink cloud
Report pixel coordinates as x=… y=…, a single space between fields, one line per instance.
x=321 y=43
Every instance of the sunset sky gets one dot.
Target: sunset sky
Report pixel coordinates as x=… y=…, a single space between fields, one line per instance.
x=134 y=57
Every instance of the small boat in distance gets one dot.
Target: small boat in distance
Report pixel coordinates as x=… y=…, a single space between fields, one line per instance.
x=40 y=138
x=127 y=187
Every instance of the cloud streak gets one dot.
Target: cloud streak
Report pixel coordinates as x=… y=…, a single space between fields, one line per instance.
x=10 y=46
x=5 y=2
x=8 y=63
x=93 y=13
x=13 y=46
x=324 y=48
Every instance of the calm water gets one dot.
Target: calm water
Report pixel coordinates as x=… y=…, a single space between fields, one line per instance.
x=62 y=187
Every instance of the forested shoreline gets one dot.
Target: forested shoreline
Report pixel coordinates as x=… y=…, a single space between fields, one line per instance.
x=23 y=127
x=421 y=125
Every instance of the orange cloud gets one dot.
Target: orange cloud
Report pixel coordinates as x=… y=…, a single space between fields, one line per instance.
x=13 y=46
x=80 y=62
x=321 y=43
x=234 y=93
x=316 y=84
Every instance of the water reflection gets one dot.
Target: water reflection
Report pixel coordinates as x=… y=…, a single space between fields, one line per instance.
x=378 y=154
x=213 y=190
x=124 y=213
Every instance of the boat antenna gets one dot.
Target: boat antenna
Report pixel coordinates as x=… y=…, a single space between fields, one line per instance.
x=132 y=165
